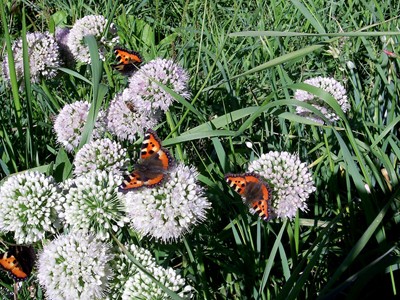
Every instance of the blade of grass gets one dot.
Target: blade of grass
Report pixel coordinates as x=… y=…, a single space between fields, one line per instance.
x=313 y=19
x=198 y=262
x=11 y=70
x=352 y=167
x=219 y=51
x=295 y=55
x=30 y=148
x=299 y=119
x=198 y=135
x=261 y=109
x=99 y=90
x=271 y=258
x=364 y=275
x=359 y=246
x=302 y=34
x=293 y=285
x=223 y=120
x=75 y=74
x=390 y=127
x=178 y=98
x=62 y=166
x=9 y=151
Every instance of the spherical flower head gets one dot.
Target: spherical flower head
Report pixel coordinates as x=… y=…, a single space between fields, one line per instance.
x=132 y=283
x=125 y=122
x=330 y=85
x=43 y=56
x=27 y=203
x=62 y=41
x=144 y=90
x=290 y=179
x=94 y=25
x=75 y=266
x=102 y=154
x=70 y=122
x=169 y=211
x=92 y=204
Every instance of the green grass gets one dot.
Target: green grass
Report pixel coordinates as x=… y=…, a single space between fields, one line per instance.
x=245 y=59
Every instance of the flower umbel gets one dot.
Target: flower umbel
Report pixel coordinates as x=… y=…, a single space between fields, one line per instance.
x=43 y=56
x=132 y=283
x=290 y=179
x=92 y=203
x=27 y=203
x=75 y=266
x=330 y=85
x=70 y=122
x=169 y=211
x=89 y=25
x=144 y=90
x=125 y=122
x=102 y=154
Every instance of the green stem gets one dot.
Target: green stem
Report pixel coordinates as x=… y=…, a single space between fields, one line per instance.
x=172 y=125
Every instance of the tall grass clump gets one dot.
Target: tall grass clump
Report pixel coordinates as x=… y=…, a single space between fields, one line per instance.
x=296 y=100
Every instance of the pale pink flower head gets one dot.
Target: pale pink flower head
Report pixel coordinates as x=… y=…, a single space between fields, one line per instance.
x=170 y=210
x=330 y=85
x=145 y=91
x=70 y=122
x=94 y=25
x=43 y=53
x=290 y=180
x=125 y=121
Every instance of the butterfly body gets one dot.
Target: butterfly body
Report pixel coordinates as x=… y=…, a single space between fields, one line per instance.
x=155 y=161
x=18 y=261
x=128 y=61
x=256 y=193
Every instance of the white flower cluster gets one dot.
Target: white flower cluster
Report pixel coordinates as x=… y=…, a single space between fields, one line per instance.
x=43 y=53
x=144 y=90
x=102 y=154
x=70 y=122
x=132 y=283
x=169 y=211
x=75 y=266
x=89 y=25
x=27 y=205
x=330 y=85
x=125 y=122
x=290 y=179
x=92 y=204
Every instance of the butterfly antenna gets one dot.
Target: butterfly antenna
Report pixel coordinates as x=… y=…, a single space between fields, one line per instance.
x=250 y=145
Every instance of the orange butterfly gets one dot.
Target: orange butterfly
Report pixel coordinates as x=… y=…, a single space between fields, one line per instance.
x=256 y=193
x=18 y=261
x=128 y=61
x=152 y=168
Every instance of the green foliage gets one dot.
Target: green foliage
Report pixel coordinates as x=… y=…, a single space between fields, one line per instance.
x=245 y=59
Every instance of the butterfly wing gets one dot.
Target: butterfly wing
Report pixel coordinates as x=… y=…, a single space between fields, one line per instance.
x=256 y=192
x=152 y=149
x=128 y=61
x=237 y=182
x=132 y=181
x=258 y=197
x=18 y=261
x=154 y=164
